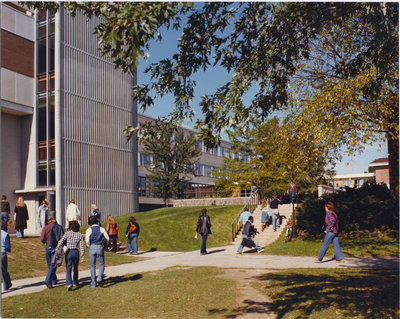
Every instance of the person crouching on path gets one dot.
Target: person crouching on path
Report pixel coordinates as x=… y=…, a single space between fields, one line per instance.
x=96 y=237
x=332 y=230
x=51 y=234
x=72 y=240
x=204 y=229
x=112 y=231
x=5 y=247
x=132 y=234
x=248 y=232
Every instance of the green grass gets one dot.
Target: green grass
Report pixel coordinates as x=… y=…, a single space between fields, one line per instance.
x=27 y=259
x=355 y=244
x=333 y=293
x=177 y=293
x=173 y=228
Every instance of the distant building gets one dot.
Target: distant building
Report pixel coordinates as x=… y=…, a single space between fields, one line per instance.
x=381 y=166
x=200 y=185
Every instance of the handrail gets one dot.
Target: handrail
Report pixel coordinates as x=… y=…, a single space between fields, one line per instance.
x=251 y=205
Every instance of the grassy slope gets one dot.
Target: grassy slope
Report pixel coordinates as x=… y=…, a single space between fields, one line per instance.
x=173 y=228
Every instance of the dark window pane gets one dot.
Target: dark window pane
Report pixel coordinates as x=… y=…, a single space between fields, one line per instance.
x=42 y=175
x=52 y=117
x=52 y=26
x=42 y=124
x=51 y=54
x=41 y=56
x=52 y=174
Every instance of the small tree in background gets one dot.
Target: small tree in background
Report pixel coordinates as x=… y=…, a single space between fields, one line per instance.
x=173 y=154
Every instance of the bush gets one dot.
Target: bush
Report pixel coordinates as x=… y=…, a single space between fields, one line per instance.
x=365 y=208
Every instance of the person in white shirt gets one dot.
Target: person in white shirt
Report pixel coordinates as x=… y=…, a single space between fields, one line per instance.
x=72 y=213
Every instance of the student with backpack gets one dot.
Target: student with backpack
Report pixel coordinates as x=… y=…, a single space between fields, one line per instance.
x=204 y=229
x=132 y=234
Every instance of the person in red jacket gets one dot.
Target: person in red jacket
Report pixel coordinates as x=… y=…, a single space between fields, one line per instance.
x=112 y=231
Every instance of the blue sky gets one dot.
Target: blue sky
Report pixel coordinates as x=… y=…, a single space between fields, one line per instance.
x=215 y=77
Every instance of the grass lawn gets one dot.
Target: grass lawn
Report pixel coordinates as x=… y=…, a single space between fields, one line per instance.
x=176 y=293
x=27 y=259
x=356 y=244
x=173 y=228
x=333 y=293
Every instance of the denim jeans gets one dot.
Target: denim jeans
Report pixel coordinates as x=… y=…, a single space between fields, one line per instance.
x=20 y=233
x=131 y=242
x=203 y=243
x=275 y=218
x=4 y=271
x=96 y=252
x=331 y=237
x=292 y=195
x=51 y=274
x=72 y=259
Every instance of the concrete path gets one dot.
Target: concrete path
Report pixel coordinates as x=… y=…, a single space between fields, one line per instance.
x=224 y=257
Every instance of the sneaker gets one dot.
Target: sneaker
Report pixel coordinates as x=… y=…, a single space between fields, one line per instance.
x=69 y=288
x=340 y=261
x=317 y=260
x=239 y=252
x=260 y=250
x=9 y=287
x=49 y=285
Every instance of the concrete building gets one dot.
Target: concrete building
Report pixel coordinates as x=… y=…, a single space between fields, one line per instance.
x=200 y=185
x=63 y=108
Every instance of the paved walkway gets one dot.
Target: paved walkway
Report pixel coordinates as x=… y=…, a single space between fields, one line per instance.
x=223 y=257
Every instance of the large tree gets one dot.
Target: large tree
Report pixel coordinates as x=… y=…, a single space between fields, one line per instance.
x=263 y=46
x=274 y=155
x=173 y=152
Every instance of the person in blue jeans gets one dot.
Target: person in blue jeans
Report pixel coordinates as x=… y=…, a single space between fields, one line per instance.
x=50 y=236
x=332 y=230
x=275 y=211
x=204 y=229
x=132 y=234
x=96 y=237
x=5 y=247
x=73 y=240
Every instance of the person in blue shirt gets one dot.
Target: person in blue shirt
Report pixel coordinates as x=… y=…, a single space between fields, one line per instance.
x=5 y=247
x=244 y=217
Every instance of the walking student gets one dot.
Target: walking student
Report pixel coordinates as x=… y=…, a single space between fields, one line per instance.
x=5 y=247
x=21 y=216
x=132 y=234
x=96 y=237
x=5 y=209
x=51 y=234
x=264 y=215
x=73 y=240
x=331 y=231
x=275 y=211
x=42 y=215
x=204 y=229
x=112 y=231
x=72 y=213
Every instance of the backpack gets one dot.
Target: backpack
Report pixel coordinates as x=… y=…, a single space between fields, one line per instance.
x=132 y=228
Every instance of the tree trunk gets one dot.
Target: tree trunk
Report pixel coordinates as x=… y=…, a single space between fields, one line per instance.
x=393 y=153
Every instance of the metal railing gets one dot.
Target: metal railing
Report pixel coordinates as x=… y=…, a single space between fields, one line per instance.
x=250 y=205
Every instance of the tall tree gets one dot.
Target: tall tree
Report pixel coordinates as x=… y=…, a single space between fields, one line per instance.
x=275 y=156
x=173 y=154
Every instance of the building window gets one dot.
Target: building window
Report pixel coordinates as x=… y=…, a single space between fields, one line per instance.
x=45 y=102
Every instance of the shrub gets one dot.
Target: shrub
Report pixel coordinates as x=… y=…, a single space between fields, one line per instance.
x=365 y=208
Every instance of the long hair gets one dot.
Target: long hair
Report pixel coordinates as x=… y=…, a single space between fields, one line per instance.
x=20 y=202
x=111 y=220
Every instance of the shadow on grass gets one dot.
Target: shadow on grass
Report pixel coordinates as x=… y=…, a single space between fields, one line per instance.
x=325 y=294
x=364 y=293
x=251 y=307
